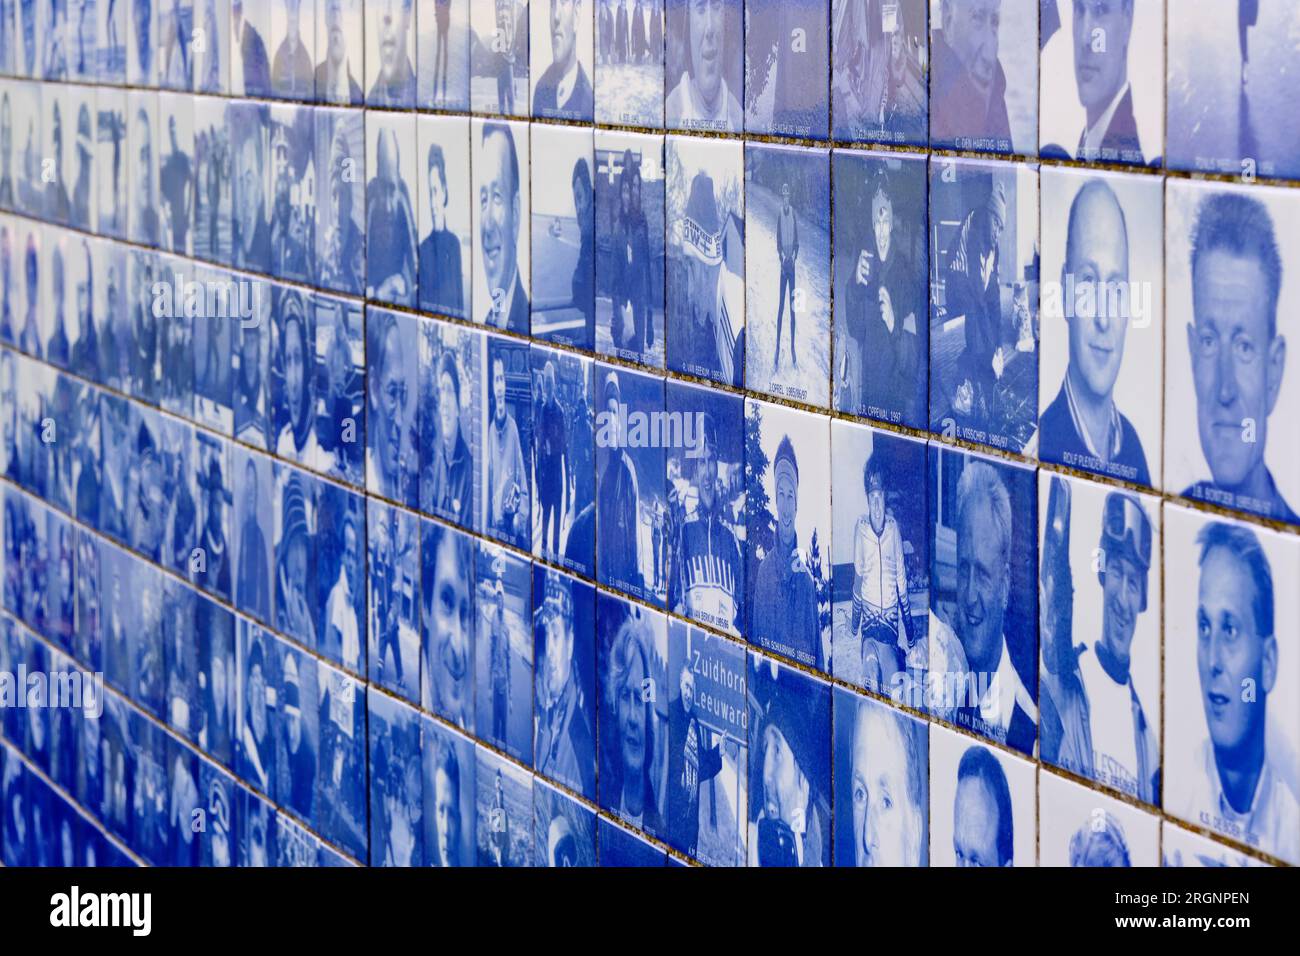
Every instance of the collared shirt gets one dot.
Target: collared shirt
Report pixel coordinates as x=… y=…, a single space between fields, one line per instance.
x=1273 y=821
x=1114 y=444
x=1095 y=134
x=1005 y=693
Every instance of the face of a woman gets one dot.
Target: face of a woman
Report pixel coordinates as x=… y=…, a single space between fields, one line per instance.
x=451 y=618
x=631 y=718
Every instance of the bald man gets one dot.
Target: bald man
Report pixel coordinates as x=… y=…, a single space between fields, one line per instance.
x=1082 y=427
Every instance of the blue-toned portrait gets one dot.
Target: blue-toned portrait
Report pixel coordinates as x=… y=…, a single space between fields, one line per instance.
x=448 y=621
x=298 y=734
x=451 y=366
x=564 y=630
x=503 y=659
x=1227 y=255
x=293 y=380
x=564 y=239
x=631 y=713
x=339 y=51
x=629 y=58
x=444 y=217
x=396 y=775
x=209 y=562
x=54 y=322
x=502 y=238
x=341 y=808
x=392 y=391
x=257 y=826
x=442 y=57
x=211 y=181
x=27 y=109
x=80 y=159
x=564 y=830
x=209 y=60
x=216 y=798
x=248 y=132
x=1226 y=110
x=250 y=48
x=508 y=436
x=504 y=811
x=340 y=222
x=788 y=308
x=111 y=160
x=340 y=570
x=173 y=277
x=141 y=39
x=216 y=323
x=133 y=343
x=880 y=71
x=882 y=789
x=706 y=511
x=631 y=505
x=393 y=577
x=983 y=804
x=111 y=47
x=390 y=53
x=340 y=367
x=880 y=559
x=561 y=53
x=258 y=716
x=450 y=829
x=498 y=81
x=295 y=597
x=79 y=279
x=292 y=49
x=250 y=365
x=144 y=220
x=789 y=724
x=564 y=482
x=253 y=537
x=704 y=65
x=787 y=58
x=983 y=628
x=881 y=287
x=787 y=532
x=984 y=75
x=984 y=262
x=212 y=710
x=390 y=235
x=705 y=285
x=709 y=783
x=1102 y=336
x=629 y=235
x=291 y=139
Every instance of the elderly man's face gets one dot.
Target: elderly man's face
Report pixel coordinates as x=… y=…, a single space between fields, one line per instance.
x=1122 y=602
x=559 y=654
x=1230 y=650
x=630 y=709
x=1098 y=262
x=249 y=192
x=564 y=29
x=499 y=214
x=705 y=23
x=1101 y=35
x=975 y=824
x=971 y=29
x=394 y=21
x=780 y=777
x=1236 y=366
x=451 y=621
x=983 y=584
x=392 y=401
x=446 y=810
x=884 y=820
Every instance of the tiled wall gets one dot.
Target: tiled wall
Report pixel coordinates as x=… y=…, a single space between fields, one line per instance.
x=629 y=432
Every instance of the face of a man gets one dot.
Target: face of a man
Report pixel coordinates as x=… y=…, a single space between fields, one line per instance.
x=882 y=224
x=706 y=473
x=883 y=817
x=982 y=588
x=688 y=691
x=337 y=41
x=1122 y=600
x=564 y=28
x=294 y=367
x=448 y=411
x=499 y=389
x=447 y=817
x=780 y=777
x=611 y=409
x=975 y=824
x=451 y=628
x=787 y=503
x=394 y=21
x=631 y=718
x=437 y=199
x=1098 y=261
x=559 y=655
x=499 y=214
x=352 y=557
x=1236 y=366
x=392 y=397
x=876 y=509
x=971 y=29
x=1230 y=651
x=257 y=701
x=1101 y=35
x=705 y=23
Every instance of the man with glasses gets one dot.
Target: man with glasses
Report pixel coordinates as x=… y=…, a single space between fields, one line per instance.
x=1238 y=354
x=1123 y=754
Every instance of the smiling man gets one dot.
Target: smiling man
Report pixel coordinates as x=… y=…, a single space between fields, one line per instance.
x=497 y=170
x=983 y=831
x=1239 y=789
x=1082 y=427
x=1101 y=34
x=395 y=83
x=564 y=91
x=702 y=98
x=969 y=85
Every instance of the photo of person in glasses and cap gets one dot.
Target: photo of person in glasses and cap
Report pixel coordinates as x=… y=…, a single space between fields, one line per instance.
x=1092 y=689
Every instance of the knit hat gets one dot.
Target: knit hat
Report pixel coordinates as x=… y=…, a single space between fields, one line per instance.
x=701 y=225
x=785 y=460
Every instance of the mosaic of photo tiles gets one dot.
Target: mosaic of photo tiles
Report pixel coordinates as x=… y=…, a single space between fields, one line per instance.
x=452 y=433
